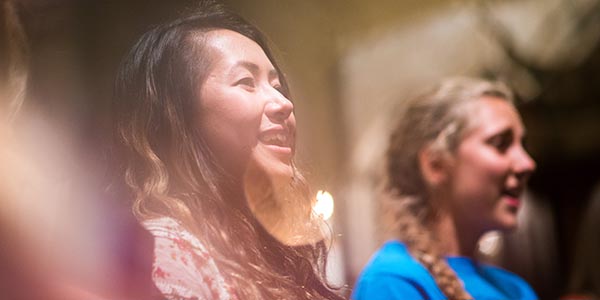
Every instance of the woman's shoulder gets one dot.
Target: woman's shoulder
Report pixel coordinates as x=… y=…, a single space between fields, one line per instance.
x=183 y=268
x=511 y=283
x=164 y=226
x=393 y=257
x=392 y=273
x=169 y=228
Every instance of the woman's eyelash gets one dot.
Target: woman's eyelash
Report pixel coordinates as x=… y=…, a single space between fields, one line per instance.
x=501 y=142
x=249 y=81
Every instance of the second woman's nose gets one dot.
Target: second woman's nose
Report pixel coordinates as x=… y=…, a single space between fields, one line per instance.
x=278 y=107
x=524 y=165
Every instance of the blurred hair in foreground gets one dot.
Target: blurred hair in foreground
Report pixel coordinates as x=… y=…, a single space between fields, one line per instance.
x=60 y=239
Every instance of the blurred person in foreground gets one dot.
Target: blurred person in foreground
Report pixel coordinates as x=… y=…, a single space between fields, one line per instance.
x=59 y=240
x=206 y=134
x=456 y=169
x=17 y=266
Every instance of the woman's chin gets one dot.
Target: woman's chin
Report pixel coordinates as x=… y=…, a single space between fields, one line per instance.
x=279 y=170
x=508 y=224
x=281 y=174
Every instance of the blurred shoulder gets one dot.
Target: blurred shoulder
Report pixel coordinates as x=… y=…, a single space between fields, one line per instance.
x=169 y=228
x=392 y=273
x=512 y=284
x=393 y=258
x=183 y=268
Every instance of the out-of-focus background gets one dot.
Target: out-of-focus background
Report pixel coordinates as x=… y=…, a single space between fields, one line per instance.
x=350 y=63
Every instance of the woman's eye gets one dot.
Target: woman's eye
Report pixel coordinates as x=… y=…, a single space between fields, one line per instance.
x=501 y=142
x=246 y=81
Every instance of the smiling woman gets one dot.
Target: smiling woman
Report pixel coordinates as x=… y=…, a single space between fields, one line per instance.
x=242 y=112
x=456 y=170
x=206 y=134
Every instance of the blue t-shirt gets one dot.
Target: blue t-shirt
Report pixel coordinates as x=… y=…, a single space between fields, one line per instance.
x=393 y=273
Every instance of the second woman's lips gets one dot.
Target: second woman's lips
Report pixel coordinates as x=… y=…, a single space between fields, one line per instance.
x=276 y=137
x=513 y=192
x=513 y=197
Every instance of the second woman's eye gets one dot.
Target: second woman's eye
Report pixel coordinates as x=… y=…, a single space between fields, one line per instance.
x=501 y=141
x=246 y=81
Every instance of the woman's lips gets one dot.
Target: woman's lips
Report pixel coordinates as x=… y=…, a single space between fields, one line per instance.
x=284 y=150
x=278 y=140
x=512 y=201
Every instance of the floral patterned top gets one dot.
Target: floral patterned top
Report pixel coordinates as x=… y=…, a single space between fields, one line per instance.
x=183 y=268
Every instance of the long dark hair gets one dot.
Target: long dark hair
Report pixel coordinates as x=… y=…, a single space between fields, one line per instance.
x=170 y=171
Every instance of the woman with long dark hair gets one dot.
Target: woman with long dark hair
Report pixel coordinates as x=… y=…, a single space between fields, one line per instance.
x=456 y=169
x=206 y=134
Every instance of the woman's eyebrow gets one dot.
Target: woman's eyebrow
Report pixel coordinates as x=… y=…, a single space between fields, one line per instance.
x=252 y=67
x=505 y=132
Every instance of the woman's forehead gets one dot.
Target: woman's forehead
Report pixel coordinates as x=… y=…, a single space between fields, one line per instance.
x=229 y=43
x=491 y=114
x=230 y=50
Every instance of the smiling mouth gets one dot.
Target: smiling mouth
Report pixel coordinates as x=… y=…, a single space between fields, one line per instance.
x=512 y=197
x=278 y=141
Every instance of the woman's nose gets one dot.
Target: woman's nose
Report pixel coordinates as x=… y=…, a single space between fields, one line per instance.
x=524 y=165
x=278 y=107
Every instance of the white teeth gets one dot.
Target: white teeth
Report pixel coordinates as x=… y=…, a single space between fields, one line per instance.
x=277 y=138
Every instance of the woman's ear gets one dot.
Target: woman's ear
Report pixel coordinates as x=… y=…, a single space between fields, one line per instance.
x=434 y=165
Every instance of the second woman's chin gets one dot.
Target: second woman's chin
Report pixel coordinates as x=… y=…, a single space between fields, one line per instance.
x=506 y=222
x=276 y=168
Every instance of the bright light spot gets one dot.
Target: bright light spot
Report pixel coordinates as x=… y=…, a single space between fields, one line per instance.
x=324 y=205
x=491 y=243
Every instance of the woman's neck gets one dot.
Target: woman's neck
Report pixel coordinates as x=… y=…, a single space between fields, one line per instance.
x=454 y=239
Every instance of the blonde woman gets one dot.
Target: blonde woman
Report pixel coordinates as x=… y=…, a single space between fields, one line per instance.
x=456 y=169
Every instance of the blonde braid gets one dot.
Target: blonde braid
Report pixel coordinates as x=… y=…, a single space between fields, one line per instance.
x=407 y=217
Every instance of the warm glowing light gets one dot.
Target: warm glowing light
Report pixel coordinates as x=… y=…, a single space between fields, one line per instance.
x=491 y=243
x=324 y=205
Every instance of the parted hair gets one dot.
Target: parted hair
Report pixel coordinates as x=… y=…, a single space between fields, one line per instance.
x=168 y=169
x=438 y=118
